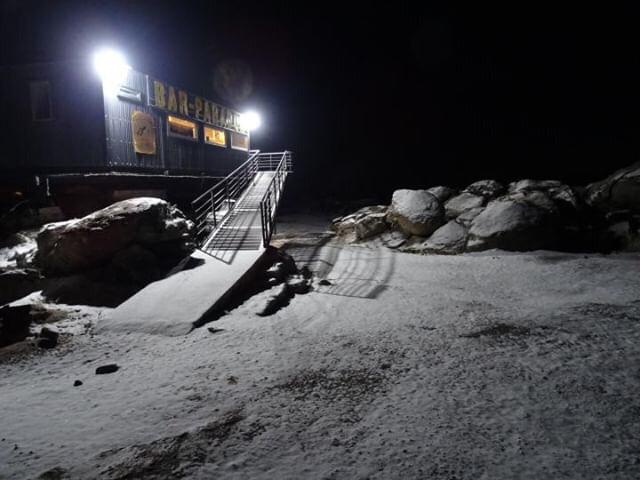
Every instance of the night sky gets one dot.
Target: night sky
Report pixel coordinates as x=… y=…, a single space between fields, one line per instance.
x=387 y=95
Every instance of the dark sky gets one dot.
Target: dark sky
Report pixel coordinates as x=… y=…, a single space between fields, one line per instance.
x=384 y=95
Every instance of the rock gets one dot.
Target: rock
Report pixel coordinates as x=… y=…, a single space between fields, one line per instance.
x=563 y=195
x=109 y=368
x=461 y=203
x=77 y=383
x=488 y=189
x=622 y=234
x=135 y=264
x=48 y=338
x=442 y=193
x=449 y=239
x=393 y=239
x=621 y=190
x=324 y=282
x=46 y=343
x=361 y=225
x=416 y=212
x=512 y=224
x=298 y=284
x=14 y=324
x=15 y=284
x=79 y=244
x=466 y=217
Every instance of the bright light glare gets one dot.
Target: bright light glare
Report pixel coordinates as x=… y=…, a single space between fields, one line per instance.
x=111 y=66
x=250 y=120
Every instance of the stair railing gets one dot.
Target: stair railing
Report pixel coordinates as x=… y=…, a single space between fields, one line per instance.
x=214 y=205
x=271 y=198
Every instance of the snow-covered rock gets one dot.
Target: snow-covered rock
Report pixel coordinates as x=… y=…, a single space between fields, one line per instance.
x=450 y=238
x=416 y=212
x=79 y=244
x=442 y=193
x=488 y=189
x=511 y=224
x=362 y=224
x=621 y=190
x=463 y=202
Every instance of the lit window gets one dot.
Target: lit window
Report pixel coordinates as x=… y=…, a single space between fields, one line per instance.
x=178 y=127
x=239 y=141
x=215 y=136
x=41 y=109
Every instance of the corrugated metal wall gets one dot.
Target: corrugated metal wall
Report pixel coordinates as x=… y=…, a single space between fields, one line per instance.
x=175 y=155
x=72 y=140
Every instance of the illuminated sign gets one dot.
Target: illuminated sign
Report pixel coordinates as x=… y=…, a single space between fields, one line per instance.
x=144 y=133
x=173 y=100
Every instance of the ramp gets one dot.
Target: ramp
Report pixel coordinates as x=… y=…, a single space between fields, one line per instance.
x=236 y=226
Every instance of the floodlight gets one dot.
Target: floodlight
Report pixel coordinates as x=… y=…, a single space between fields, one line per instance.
x=250 y=120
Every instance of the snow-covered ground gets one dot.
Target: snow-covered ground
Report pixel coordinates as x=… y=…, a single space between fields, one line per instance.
x=478 y=366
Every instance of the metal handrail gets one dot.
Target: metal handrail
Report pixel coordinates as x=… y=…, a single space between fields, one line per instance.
x=271 y=198
x=208 y=207
x=214 y=206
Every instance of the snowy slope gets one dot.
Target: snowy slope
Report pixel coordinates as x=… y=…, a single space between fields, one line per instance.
x=405 y=366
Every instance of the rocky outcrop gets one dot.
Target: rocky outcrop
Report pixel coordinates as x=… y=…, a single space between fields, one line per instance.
x=527 y=215
x=415 y=212
x=80 y=244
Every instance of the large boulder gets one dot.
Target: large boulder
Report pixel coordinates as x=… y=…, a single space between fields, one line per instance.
x=512 y=224
x=463 y=202
x=363 y=224
x=416 y=212
x=621 y=190
x=91 y=241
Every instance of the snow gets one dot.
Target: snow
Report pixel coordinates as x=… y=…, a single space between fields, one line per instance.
x=9 y=256
x=391 y=370
x=172 y=306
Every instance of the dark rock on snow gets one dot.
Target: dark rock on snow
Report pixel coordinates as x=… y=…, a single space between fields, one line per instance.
x=14 y=324
x=415 y=212
x=48 y=338
x=15 y=284
x=77 y=383
x=109 y=368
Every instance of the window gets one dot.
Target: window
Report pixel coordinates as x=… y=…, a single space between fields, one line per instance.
x=178 y=127
x=40 y=93
x=239 y=141
x=215 y=136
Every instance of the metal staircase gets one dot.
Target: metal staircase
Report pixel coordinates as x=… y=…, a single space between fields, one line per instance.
x=238 y=213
